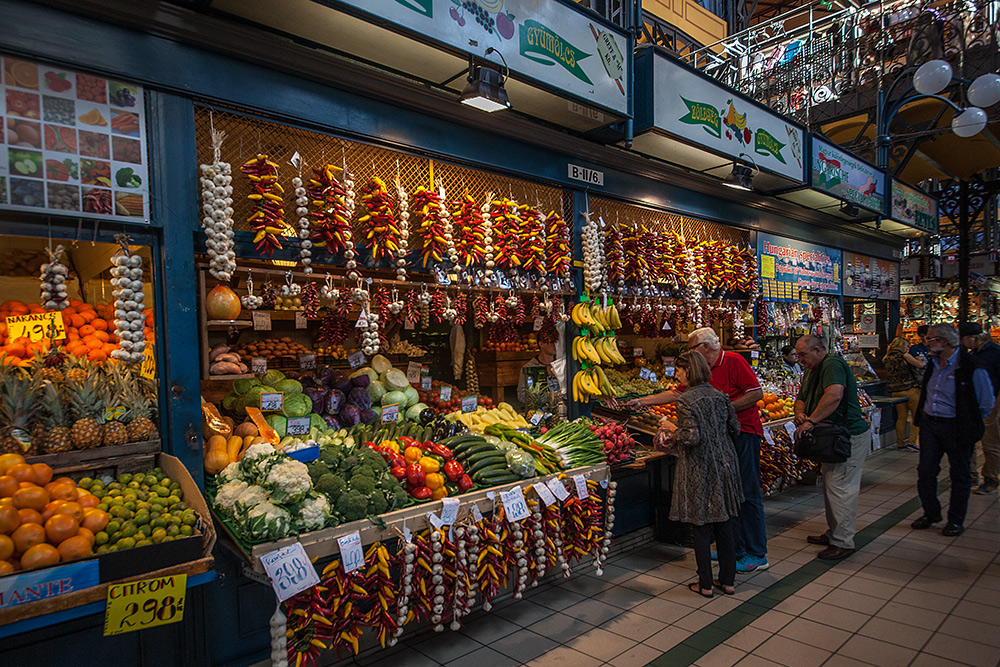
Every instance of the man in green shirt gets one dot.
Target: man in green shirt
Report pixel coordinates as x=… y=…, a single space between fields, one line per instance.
x=830 y=393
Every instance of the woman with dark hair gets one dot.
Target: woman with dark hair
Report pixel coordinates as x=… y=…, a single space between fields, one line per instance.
x=707 y=488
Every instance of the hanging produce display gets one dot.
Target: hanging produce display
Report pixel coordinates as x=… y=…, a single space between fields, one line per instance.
x=129 y=297
x=268 y=219
x=333 y=205
x=379 y=221
x=53 y=281
x=217 y=212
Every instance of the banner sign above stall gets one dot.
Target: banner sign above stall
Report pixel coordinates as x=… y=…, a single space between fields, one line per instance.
x=550 y=42
x=789 y=267
x=842 y=175
x=870 y=277
x=698 y=109
x=72 y=144
x=912 y=207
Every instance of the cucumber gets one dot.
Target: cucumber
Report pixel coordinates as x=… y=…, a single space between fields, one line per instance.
x=500 y=478
x=487 y=463
x=483 y=472
x=457 y=443
x=484 y=454
x=481 y=449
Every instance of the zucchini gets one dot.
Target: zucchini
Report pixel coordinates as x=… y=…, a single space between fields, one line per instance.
x=482 y=473
x=458 y=442
x=480 y=454
x=487 y=462
x=476 y=450
x=500 y=478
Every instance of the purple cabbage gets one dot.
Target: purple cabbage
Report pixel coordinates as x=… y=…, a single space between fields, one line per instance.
x=293 y=375
x=323 y=375
x=307 y=382
x=350 y=416
x=362 y=380
x=368 y=416
x=359 y=397
x=318 y=397
x=335 y=401
x=332 y=422
x=342 y=382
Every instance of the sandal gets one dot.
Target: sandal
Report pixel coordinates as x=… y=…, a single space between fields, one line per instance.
x=728 y=590
x=695 y=587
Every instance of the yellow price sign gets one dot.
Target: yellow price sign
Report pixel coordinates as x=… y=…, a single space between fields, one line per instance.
x=138 y=605
x=148 y=367
x=36 y=326
x=767 y=266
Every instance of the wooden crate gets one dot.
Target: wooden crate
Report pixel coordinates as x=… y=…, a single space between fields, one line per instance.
x=499 y=370
x=130 y=457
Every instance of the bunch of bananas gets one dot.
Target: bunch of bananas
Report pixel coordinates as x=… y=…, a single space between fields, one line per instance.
x=591 y=382
x=595 y=318
x=603 y=350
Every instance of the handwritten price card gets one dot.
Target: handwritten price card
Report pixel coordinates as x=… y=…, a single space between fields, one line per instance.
x=514 y=504
x=36 y=326
x=352 y=556
x=290 y=571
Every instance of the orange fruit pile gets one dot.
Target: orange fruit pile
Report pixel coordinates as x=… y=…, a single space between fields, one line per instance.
x=774 y=407
x=43 y=521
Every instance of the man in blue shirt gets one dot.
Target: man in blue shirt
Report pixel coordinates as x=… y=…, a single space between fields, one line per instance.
x=987 y=354
x=917 y=355
x=955 y=398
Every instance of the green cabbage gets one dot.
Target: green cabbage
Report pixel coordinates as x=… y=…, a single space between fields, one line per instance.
x=395 y=397
x=243 y=385
x=296 y=405
x=376 y=390
x=289 y=387
x=278 y=423
x=412 y=397
x=272 y=377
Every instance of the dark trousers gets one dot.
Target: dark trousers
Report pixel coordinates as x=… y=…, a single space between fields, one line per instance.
x=937 y=438
x=725 y=546
x=750 y=533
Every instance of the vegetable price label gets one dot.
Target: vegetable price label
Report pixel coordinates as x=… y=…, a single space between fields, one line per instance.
x=413 y=372
x=148 y=367
x=553 y=383
x=425 y=383
x=469 y=403
x=36 y=326
x=637 y=352
x=307 y=362
x=666 y=324
x=790 y=427
x=362 y=322
x=258 y=365
x=261 y=320
x=409 y=325
x=768 y=436
x=356 y=359
x=668 y=371
x=538 y=323
x=536 y=416
x=544 y=493
x=514 y=504
x=644 y=374
x=445 y=395
x=297 y=426
x=449 y=510
x=351 y=554
x=477 y=516
x=390 y=413
x=558 y=489
x=652 y=377
x=138 y=605
x=581 y=487
x=272 y=402
x=300 y=320
x=290 y=571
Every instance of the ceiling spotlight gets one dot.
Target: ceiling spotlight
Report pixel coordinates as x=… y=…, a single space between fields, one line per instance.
x=850 y=209
x=741 y=177
x=485 y=89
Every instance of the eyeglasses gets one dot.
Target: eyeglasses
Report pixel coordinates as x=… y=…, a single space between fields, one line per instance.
x=933 y=338
x=697 y=345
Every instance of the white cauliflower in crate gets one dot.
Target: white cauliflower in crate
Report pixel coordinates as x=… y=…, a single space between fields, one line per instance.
x=288 y=481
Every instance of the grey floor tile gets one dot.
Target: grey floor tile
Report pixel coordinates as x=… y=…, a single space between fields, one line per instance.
x=407 y=658
x=721 y=656
x=559 y=627
x=593 y=612
x=557 y=598
x=486 y=629
x=846 y=599
x=624 y=598
x=649 y=584
x=524 y=613
x=973 y=630
x=634 y=625
x=749 y=638
x=696 y=620
x=446 y=647
x=523 y=645
x=667 y=638
x=897 y=633
x=834 y=616
x=910 y=614
x=662 y=610
x=924 y=600
x=484 y=657
x=586 y=585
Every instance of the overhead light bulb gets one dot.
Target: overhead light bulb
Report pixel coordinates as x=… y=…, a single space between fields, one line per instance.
x=740 y=178
x=969 y=123
x=932 y=77
x=485 y=90
x=984 y=91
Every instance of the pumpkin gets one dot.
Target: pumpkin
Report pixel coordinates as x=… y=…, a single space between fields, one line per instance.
x=222 y=303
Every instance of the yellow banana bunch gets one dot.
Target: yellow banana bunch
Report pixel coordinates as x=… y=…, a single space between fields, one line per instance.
x=589 y=383
x=595 y=317
x=603 y=350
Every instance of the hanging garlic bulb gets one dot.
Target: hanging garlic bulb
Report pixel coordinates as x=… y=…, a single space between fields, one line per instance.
x=404 y=231
x=692 y=286
x=328 y=291
x=521 y=561
x=396 y=305
x=437 y=569
x=449 y=313
x=592 y=255
x=53 y=281
x=302 y=210
x=461 y=567
x=403 y=602
x=369 y=334
x=217 y=212
x=609 y=523
x=251 y=301
x=488 y=235
x=126 y=277
x=279 y=640
x=290 y=288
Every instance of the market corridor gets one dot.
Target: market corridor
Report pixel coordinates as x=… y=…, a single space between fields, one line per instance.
x=905 y=598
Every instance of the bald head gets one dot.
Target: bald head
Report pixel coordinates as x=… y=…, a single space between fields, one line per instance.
x=810 y=350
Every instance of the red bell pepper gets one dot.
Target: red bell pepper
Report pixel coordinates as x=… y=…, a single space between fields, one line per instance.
x=421 y=493
x=397 y=461
x=415 y=475
x=453 y=470
x=464 y=483
x=399 y=472
x=440 y=450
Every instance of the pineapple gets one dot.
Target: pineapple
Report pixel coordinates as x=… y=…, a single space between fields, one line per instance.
x=141 y=426
x=76 y=369
x=87 y=407
x=49 y=365
x=118 y=380
x=18 y=407
x=56 y=420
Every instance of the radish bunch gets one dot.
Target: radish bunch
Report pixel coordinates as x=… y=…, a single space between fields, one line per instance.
x=618 y=443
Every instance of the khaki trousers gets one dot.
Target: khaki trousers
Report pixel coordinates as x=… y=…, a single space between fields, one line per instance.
x=903 y=412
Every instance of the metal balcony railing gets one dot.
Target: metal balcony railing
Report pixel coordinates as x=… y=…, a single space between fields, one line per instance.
x=657 y=31
x=817 y=66
x=615 y=11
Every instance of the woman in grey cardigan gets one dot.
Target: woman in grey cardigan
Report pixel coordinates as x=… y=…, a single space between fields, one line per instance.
x=707 y=491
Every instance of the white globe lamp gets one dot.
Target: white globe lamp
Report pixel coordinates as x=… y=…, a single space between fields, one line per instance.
x=984 y=91
x=969 y=122
x=932 y=77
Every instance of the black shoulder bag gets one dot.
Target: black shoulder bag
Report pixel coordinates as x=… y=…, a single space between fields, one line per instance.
x=826 y=442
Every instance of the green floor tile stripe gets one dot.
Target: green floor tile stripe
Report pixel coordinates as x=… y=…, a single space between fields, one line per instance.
x=718 y=631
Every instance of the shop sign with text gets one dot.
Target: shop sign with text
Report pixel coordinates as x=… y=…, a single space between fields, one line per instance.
x=842 y=175
x=807 y=267
x=870 y=277
x=912 y=207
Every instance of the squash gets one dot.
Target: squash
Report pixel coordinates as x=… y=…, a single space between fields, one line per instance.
x=212 y=422
x=266 y=432
x=246 y=430
x=216 y=455
x=233 y=447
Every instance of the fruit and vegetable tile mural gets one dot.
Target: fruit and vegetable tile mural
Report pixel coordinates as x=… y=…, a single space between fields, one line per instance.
x=71 y=142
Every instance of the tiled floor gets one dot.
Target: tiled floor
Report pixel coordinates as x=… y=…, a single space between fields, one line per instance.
x=905 y=598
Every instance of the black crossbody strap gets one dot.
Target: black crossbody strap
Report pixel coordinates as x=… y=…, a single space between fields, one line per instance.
x=818 y=391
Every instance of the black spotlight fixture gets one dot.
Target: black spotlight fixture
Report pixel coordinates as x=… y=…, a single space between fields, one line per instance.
x=485 y=88
x=850 y=209
x=741 y=177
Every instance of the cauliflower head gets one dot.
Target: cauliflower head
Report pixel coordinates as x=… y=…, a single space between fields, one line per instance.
x=314 y=513
x=267 y=521
x=288 y=481
x=228 y=493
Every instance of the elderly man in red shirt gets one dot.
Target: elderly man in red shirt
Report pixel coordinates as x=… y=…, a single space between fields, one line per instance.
x=732 y=375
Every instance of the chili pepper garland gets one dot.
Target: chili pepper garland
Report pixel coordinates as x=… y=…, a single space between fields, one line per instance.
x=384 y=590
x=557 y=245
x=530 y=253
x=268 y=220
x=382 y=230
x=432 y=224
x=333 y=202
x=469 y=231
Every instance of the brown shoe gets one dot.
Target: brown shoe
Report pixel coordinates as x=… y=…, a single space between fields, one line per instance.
x=834 y=553
x=823 y=539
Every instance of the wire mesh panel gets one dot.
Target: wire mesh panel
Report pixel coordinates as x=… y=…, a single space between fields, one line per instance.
x=246 y=136
x=655 y=220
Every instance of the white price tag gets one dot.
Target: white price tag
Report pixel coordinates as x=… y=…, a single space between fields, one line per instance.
x=352 y=556
x=790 y=427
x=435 y=520
x=409 y=325
x=258 y=365
x=754 y=354
x=449 y=510
x=668 y=371
x=477 y=516
x=469 y=403
x=514 y=504
x=390 y=413
x=604 y=483
x=536 y=416
x=413 y=372
x=581 y=487
x=300 y=320
x=307 y=362
x=297 y=426
x=289 y=570
x=637 y=352
x=644 y=373
x=445 y=394
x=356 y=359
x=407 y=534
x=362 y=322
x=652 y=377
x=261 y=320
x=538 y=323
x=558 y=489
x=768 y=436
x=666 y=324
x=553 y=383
x=544 y=493
x=272 y=402
x=425 y=383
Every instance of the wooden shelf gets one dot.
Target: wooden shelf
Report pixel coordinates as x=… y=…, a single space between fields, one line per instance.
x=230 y=378
x=229 y=324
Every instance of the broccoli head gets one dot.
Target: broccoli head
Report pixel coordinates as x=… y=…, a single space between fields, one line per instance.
x=330 y=455
x=377 y=504
x=369 y=456
x=348 y=462
x=331 y=485
x=400 y=496
x=362 y=483
x=317 y=469
x=352 y=505
x=388 y=483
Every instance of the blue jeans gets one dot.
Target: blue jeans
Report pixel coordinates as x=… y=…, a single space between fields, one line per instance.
x=750 y=534
x=937 y=438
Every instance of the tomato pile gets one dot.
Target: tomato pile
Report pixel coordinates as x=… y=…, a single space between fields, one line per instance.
x=432 y=398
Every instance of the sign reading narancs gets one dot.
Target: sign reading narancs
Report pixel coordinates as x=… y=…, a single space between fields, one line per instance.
x=701 y=111
x=847 y=177
x=912 y=207
x=796 y=265
x=550 y=42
